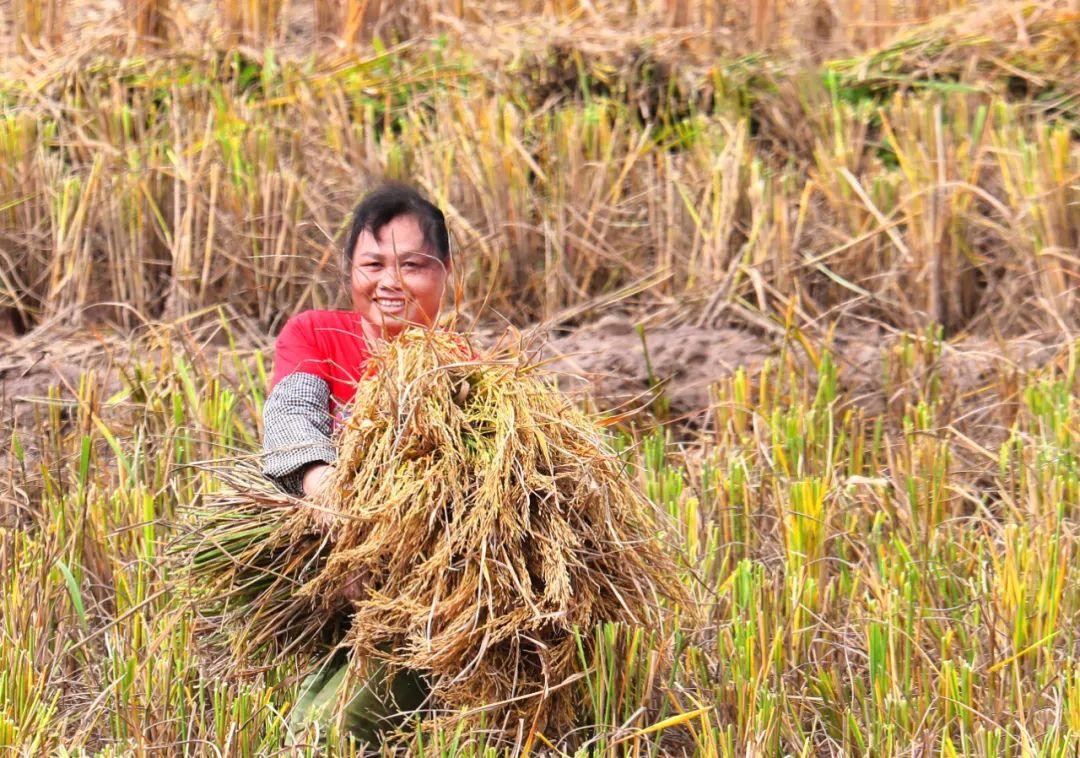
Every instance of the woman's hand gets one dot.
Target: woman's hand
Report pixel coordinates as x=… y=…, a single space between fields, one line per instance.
x=317 y=477
x=352 y=589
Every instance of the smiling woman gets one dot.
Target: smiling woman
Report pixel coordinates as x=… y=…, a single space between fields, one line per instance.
x=398 y=256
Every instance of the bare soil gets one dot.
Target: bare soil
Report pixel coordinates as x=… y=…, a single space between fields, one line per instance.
x=606 y=360
x=616 y=366
x=612 y=363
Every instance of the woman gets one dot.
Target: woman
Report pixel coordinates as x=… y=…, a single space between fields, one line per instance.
x=398 y=257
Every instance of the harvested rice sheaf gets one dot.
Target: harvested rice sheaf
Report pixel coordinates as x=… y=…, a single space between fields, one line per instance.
x=483 y=518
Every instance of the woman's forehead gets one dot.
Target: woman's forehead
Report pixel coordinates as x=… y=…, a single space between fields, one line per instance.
x=402 y=233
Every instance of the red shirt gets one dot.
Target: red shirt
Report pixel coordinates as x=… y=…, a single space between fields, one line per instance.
x=329 y=344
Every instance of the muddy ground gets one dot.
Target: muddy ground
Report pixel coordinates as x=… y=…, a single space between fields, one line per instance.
x=607 y=360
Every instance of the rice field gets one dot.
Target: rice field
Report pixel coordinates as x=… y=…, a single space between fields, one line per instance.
x=878 y=524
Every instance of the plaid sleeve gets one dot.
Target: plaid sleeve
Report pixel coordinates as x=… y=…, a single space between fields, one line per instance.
x=296 y=429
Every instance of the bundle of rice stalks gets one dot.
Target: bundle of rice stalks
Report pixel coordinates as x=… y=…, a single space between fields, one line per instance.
x=482 y=518
x=245 y=563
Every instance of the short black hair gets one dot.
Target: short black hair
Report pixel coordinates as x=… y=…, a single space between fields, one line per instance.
x=390 y=200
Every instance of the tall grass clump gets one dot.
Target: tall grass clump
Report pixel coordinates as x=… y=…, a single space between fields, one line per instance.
x=252 y=21
x=36 y=24
x=893 y=185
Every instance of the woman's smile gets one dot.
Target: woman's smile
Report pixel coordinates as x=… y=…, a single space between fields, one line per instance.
x=391 y=305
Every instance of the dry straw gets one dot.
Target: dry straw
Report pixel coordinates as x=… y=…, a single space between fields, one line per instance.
x=484 y=519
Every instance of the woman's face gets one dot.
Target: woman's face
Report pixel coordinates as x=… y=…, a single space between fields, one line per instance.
x=397 y=280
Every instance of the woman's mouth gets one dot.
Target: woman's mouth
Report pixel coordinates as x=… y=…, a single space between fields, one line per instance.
x=391 y=305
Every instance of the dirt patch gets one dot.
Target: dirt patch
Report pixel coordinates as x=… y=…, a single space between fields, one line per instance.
x=33 y=364
x=613 y=363
x=977 y=377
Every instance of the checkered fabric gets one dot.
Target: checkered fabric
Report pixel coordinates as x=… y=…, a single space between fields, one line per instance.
x=296 y=430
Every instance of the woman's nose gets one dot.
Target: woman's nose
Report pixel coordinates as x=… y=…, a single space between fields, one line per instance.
x=391 y=277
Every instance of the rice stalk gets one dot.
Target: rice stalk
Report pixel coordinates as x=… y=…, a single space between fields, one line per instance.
x=868 y=581
x=37 y=23
x=252 y=21
x=624 y=175
x=150 y=20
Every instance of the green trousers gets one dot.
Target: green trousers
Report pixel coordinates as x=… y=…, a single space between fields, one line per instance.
x=375 y=705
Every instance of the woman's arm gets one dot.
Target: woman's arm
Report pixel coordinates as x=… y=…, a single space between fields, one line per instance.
x=296 y=431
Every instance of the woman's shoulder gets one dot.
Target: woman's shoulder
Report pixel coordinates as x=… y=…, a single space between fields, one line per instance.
x=321 y=317
x=317 y=342
x=306 y=324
